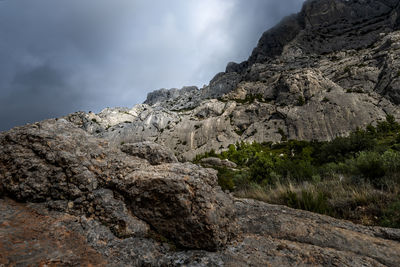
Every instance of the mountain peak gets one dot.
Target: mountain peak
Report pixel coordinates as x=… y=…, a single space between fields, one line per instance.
x=318 y=74
x=326 y=26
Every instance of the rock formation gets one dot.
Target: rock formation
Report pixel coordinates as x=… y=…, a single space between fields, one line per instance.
x=107 y=189
x=317 y=75
x=59 y=164
x=217 y=162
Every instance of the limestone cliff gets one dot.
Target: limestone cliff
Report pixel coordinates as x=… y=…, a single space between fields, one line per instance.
x=317 y=75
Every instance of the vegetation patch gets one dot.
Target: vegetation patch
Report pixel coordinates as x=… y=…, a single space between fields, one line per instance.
x=355 y=177
x=300 y=101
x=283 y=135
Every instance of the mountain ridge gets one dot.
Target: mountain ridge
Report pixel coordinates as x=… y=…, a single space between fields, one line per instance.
x=318 y=74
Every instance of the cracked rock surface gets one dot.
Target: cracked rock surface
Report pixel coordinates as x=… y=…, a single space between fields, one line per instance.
x=269 y=235
x=57 y=163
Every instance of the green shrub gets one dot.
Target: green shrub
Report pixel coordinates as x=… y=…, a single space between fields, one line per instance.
x=205 y=155
x=296 y=170
x=250 y=98
x=388 y=126
x=342 y=148
x=300 y=101
x=391 y=215
x=225 y=179
x=391 y=162
x=370 y=165
x=230 y=179
x=365 y=157
x=261 y=168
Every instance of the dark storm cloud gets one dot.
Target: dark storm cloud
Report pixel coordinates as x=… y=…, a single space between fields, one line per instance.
x=58 y=57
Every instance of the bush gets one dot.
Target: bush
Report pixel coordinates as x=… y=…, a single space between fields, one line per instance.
x=225 y=179
x=296 y=170
x=391 y=215
x=230 y=179
x=391 y=162
x=388 y=126
x=261 y=168
x=205 y=155
x=355 y=177
x=342 y=148
x=370 y=165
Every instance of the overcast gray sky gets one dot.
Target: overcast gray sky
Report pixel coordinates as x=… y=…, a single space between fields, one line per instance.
x=61 y=56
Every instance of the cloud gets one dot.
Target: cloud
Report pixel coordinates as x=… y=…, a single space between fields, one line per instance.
x=57 y=57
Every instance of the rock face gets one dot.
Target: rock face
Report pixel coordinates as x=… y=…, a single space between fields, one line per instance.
x=61 y=165
x=317 y=75
x=326 y=26
x=154 y=153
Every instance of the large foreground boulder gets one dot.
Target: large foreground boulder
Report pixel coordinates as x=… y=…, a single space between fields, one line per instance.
x=61 y=165
x=180 y=201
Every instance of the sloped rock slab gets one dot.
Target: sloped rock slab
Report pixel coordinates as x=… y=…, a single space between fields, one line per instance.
x=270 y=235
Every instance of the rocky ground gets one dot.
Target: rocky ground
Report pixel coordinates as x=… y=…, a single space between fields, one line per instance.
x=268 y=236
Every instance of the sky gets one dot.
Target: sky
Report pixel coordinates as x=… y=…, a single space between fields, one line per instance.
x=62 y=56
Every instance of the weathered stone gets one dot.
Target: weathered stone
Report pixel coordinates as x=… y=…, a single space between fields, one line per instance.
x=326 y=241
x=57 y=162
x=216 y=162
x=154 y=153
x=177 y=197
x=163 y=95
x=270 y=235
x=29 y=237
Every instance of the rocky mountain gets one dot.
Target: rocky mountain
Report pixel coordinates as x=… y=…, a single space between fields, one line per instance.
x=319 y=74
x=109 y=188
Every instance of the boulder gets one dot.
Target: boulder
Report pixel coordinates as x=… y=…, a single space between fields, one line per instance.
x=57 y=163
x=177 y=197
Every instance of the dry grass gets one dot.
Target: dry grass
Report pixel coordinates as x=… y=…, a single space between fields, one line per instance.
x=361 y=203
